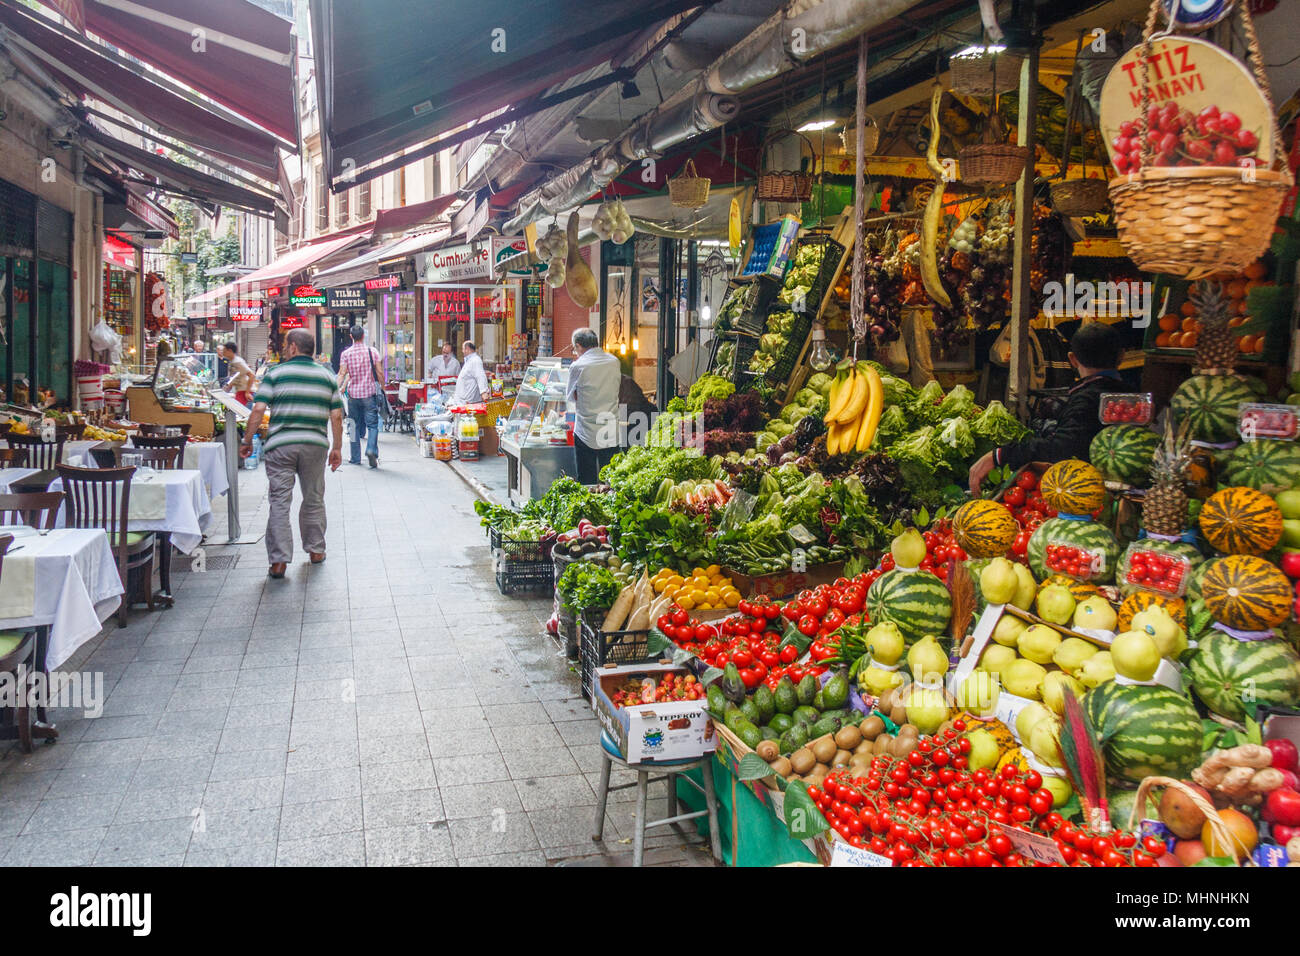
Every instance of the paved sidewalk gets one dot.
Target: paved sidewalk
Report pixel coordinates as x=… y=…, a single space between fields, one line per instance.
x=387 y=707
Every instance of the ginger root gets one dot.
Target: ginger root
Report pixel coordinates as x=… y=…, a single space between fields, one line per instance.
x=1240 y=775
x=1266 y=780
x=1236 y=783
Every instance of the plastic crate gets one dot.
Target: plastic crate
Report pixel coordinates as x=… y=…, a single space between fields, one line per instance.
x=831 y=257
x=531 y=577
x=757 y=294
x=609 y=647
x=746 y=346
x=519 y=550
x=799 y=333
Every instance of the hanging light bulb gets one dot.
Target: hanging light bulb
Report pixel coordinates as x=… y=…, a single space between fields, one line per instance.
x=819 y=357
x=636 y=344
x=622 y=348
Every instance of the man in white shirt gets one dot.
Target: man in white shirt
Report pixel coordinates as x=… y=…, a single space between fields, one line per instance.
x=594 y=379
x=445 y=363
x=471 y=383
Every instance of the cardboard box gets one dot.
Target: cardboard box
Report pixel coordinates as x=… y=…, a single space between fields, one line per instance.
x=652 y=733
x=782 y=584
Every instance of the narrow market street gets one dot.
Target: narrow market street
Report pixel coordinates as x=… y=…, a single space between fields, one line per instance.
x=389 y=707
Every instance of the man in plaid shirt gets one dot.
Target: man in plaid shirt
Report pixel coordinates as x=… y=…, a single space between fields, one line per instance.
x=358 y=371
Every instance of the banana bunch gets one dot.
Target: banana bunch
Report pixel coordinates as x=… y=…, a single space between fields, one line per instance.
x=857 y=399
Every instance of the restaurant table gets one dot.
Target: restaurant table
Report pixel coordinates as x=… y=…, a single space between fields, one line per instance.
x=12 y=476
x=65 y=584
x=206 y=457
x=174 y=502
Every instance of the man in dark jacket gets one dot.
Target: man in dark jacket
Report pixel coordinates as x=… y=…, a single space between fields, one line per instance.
x=1094 y=353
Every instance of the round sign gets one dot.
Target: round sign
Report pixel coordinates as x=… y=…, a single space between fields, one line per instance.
x=1212 y=111
x=1195 y=14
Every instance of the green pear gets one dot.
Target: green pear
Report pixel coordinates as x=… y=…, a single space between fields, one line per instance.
x=1072 y=652
x=1135 y=654
x=1060 y=789
x=1160 y=625
x=984 y=750
x=1096 y=670
x=908 y=549
x=1039 y=643
x=1024 y=678
x=1095 y=614
x=886 y=643
x=1008 y=630
x=927 y=707
x=1029 y=715
x=1055 y=603
x=1289 y=503
x=978 y=693
x=996 y=657
x=1026 y=588
x=998 y=581
x=1290 y=528
x=1055 y=686
x=927 y=661
x=1044 y=742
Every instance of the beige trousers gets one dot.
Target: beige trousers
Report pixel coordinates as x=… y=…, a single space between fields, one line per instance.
x=306 y=463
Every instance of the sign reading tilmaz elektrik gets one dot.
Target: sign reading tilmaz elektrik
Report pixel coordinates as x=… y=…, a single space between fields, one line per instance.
x=92 y=910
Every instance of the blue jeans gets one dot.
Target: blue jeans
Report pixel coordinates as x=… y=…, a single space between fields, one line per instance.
x=364 y=413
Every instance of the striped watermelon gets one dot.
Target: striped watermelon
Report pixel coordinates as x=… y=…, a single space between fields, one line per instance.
x=1198 y=574
x=985 y=529
x=1124 y=452
x=975 y=566
x=1145 y=731
x=1227 y=674
x=1247 y=593
x=917 y=601
x=1180 y=548
x=1210 y=403
x=1085 y=534
x=1266 y=465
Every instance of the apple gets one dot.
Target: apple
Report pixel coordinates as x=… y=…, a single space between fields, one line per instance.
x=1290 y=531
x=1189 y=852
x=1290 y=563
x=1284 y=806
x=1289 y=503
x=1285 y=754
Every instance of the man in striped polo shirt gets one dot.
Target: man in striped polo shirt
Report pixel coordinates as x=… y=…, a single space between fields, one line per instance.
x=303 y=397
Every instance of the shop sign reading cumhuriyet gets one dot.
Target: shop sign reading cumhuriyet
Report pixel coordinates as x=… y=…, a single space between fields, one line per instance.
x=455 y=264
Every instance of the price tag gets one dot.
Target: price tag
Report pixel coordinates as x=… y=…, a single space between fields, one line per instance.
x=801 y=535
x=738 y=509
x=1034 y=846
x=846 y=855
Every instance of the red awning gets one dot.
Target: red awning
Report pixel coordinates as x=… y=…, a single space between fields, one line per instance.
x=247 y=60
x=390 y=221
x=276 y=273
x=87 y=69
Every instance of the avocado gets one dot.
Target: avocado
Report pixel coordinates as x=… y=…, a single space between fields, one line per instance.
x=732 y=716
x=770 y=733
x=827 y=725
x=716 y=701
x=819 y=701
x=806 y=690
x=750 y=734
x=751 y=712
x=766 y=703
x=786 y=697
x=806 y=715
x=794 y=738
x=854 y=718
x=781 y=723
x=733 y=688
x=836 y=691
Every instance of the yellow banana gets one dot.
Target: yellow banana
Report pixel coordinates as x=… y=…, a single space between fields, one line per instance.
x=857 y=401
x=875 y=407
x=839 y=394
x=833 y=439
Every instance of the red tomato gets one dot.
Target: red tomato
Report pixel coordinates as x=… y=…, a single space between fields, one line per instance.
x=742 y=657
x=808 y=625
x=833 y=619
x=1027 y=480
x=1014 y=496
x=788 y=654
x=791 y=610
x=680 y=617
x=751 y=677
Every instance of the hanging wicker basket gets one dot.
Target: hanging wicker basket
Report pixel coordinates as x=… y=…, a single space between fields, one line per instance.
x=1079 y=197
x=984 y=74
x=992 y=164
x=785 y=185
x=1194 y=221
x=688 y=188
x=870 y=138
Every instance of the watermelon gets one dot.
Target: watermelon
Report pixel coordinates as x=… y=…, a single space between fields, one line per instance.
x=1084 y=534
x=916 y=601
x=1266 y=465
x=1228 y=674
x=1124 y=453
x=1194 y=582
x=975 y=566
x=1145 y=730
x=1179 y=548
x=1210 y=403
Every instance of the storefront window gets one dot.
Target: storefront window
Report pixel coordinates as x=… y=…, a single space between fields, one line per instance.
x=54 y=329
x=397 y=334
x=18 y=327
x=485 y=315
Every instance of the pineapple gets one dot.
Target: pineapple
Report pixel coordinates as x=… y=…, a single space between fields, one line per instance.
x=1164 y=509
x=1216 y=348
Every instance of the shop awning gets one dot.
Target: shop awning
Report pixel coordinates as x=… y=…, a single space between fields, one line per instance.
x=392 y=73
x=406 y=218
x=368 y=264
x=247 y=60
x=275 y=273
x=88 y=69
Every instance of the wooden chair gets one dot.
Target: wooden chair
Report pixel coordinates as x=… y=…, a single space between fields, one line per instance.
x=160 y=459
x=160 y=431
x=34 y=510
x=42 y=455
x=70 y=432
x=100 y=498
x=149 y=441
x=13 y=457
x=17 y=650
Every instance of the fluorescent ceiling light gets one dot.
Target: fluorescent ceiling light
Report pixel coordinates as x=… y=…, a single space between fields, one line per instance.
x=813 y=126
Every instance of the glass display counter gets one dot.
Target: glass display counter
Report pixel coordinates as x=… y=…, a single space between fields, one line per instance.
x=537 y=437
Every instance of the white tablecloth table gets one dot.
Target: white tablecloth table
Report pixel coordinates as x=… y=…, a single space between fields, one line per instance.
x=188 y=508
x=206 y=457
x=9 y=475
x=77 y=586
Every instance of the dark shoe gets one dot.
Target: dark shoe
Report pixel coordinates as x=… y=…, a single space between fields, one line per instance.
x=276 y=570
x=318 y=558
x=373 y=459
x=357 y=462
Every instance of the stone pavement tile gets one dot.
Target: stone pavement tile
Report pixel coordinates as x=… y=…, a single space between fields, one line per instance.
x=479 y=768
x=424 y=844
x=261 y=855
x=341 y=729
x=214 y=662
x=143 y=805
x=398 y=703
x=320 y=635
x=273 y=658
x=387 y=684
x=443 y=719
x=56 y=848
x=313 y=785
x=14 y=815
x=268 y=737
x=402 y=808
x=390 y=749
x=188 y=744
x=261 y=695
x=326 y=754
x=246 y=794
x=533 y=858
x=187 y=721
x=554 y=690
x=162 y=686
x=389 y=725
x=260 y=676
x=478 y=799
x=449 y=679
x=247 y=764
x=300 y=821
x=401 y=775
x=462 y=743
x=73 y=813
x=567 y=826
x=327 y=709
x=334 y=688
x=334 y=667
x=504 y=693
x=137 y=705
x=165 y=651
x=148 y=840
x=223 y=648
x=578 y=732
x=42 y=758
x=565 y=710
x=233 y=828
x=278 y=714
x=546 y=762
x=152 y=669
x=76 y=781
x=185 y=699
x=336 y=849
x=206 y=680
x=527 y=736
x=166 y=773
x=512 y=715
x=588 y=757
x=546 y=793
x=502 y=832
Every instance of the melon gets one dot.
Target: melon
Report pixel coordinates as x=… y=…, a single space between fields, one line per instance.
x=1210 y=404
x=1241 y=521
x=1246 y=593
x=1073 y=487
x=1266 y=465
x=1141 y=599
x=916 y=601
x=1229 y=675
x=1084 y=534
x=1124 y=453
x=985 y=529
x=1145 y=730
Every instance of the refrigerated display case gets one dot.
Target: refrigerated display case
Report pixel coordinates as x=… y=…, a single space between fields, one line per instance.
x=538 y=435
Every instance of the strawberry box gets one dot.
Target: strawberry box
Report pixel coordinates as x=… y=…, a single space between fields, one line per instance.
x=651 y=733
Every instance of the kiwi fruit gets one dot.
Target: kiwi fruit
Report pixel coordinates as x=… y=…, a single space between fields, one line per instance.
x=881 y=745
x=802 y=760
x=864 y=748
x=817 y=776
x=898 y=713
x=903 y=745
x=823 y=749
x=848 y=737
x=887 y=700
x=872 y=727
x=781 y=767
x=768 y=750
x=841 y=758
x=909 y=730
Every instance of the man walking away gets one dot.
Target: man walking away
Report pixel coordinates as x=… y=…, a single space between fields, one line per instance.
x=359 y=373
x=241 y=376
x=302 y=397
x=472 y=383
x=594 y=379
